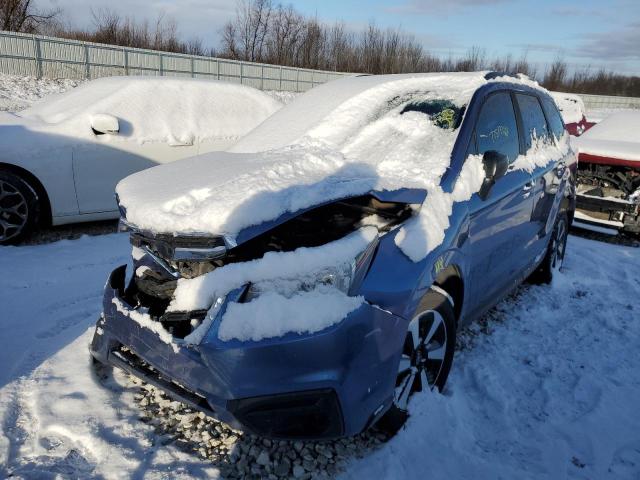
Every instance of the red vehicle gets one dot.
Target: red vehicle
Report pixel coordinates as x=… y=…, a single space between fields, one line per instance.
x=609 y=173
x=573 y=113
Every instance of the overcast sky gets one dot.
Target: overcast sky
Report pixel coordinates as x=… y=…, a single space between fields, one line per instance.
x=583 y=32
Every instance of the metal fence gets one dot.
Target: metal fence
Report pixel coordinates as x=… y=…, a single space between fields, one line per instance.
x=596 y=102
x=49 y=57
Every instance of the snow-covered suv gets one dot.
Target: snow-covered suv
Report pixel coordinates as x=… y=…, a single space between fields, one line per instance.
x=305 y=284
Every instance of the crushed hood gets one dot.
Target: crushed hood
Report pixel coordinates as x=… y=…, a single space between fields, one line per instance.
x=239 y=196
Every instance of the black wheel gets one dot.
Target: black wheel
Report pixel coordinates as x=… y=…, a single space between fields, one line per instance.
x=554 y=258
x=426 y=358
x=19 y=209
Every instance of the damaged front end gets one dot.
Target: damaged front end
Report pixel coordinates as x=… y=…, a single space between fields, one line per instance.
x=290 y=386
x=608 y=193
x=161 y=260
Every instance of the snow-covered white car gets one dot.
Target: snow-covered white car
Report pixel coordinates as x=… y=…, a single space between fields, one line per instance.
x=61 y=159
x=573 y=112
x=609 y=173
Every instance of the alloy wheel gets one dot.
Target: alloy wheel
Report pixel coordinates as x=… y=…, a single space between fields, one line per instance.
x=422 y=358
x=14 y=211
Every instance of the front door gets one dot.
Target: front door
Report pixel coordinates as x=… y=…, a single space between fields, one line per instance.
x=100 y=165
x=500 y=226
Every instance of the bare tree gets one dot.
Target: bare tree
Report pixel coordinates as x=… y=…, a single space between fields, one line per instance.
x=247 y=33
x=23 y=16
x=554 y=78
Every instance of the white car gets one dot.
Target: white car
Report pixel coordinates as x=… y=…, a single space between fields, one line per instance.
x=61 y=159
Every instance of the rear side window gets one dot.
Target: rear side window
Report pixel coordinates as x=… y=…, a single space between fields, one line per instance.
x=534 y=125
x=554 y=117
x=496 y=128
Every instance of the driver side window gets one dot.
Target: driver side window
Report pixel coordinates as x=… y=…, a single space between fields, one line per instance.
x=496 y=128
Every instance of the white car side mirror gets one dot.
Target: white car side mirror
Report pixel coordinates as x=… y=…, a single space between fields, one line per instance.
x=102 y=123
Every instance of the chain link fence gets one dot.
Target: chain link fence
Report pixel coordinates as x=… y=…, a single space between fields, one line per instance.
x=48 y=57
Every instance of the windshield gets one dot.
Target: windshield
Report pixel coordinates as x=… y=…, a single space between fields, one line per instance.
x=338 y=111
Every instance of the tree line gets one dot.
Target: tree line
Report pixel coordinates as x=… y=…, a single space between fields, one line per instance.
x=270 y=32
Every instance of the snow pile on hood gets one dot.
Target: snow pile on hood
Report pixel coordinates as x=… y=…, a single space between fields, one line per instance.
x=570 y=105
x=340 y=139
x=156 y=109
x=617 y=136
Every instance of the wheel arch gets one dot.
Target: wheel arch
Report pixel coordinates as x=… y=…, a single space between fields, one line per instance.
x=43 y=197
x=450 y=280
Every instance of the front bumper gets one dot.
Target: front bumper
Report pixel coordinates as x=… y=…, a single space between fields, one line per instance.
x=323 y=385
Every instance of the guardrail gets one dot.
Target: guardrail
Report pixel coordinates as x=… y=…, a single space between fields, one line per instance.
x=49 y=57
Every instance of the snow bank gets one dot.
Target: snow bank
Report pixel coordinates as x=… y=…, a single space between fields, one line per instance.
x=19 y=92
x=617 y=136
x=200 y=292
x=546 y=387
x=273 y=315
x=155 y=109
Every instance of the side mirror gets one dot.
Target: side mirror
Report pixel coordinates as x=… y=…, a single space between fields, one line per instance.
x=495 y=167
x=102 y=123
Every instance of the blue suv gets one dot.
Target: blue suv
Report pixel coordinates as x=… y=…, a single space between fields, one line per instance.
x=497 y=213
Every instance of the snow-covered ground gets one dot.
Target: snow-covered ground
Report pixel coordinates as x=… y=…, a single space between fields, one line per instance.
x=18 y=93
x=546 y=386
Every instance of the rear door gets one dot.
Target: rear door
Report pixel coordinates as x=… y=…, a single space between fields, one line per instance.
x=542 y=128
x=500 y=225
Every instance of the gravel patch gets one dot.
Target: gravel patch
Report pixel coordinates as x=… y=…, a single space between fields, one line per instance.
x=71 y=232
x=620 y=239
x=240 y=455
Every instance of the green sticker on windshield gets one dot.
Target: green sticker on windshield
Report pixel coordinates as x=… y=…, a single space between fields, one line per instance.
x=445 y=119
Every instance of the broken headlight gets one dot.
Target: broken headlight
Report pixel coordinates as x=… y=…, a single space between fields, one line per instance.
x=345 y=277
x=339 y=277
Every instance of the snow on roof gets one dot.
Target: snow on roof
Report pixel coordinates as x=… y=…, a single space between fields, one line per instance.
x=617 y=136
x=570 y=105
x=157 y=109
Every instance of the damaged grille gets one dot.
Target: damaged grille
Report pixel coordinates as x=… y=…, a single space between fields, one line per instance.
x=157 y=273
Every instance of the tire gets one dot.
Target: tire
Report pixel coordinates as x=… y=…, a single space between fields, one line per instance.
x=426 y=359
x=19 y=208
x=554 y=258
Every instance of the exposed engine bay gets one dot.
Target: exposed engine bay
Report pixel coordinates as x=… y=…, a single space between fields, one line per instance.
x=164 y=259
x=609 y=195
